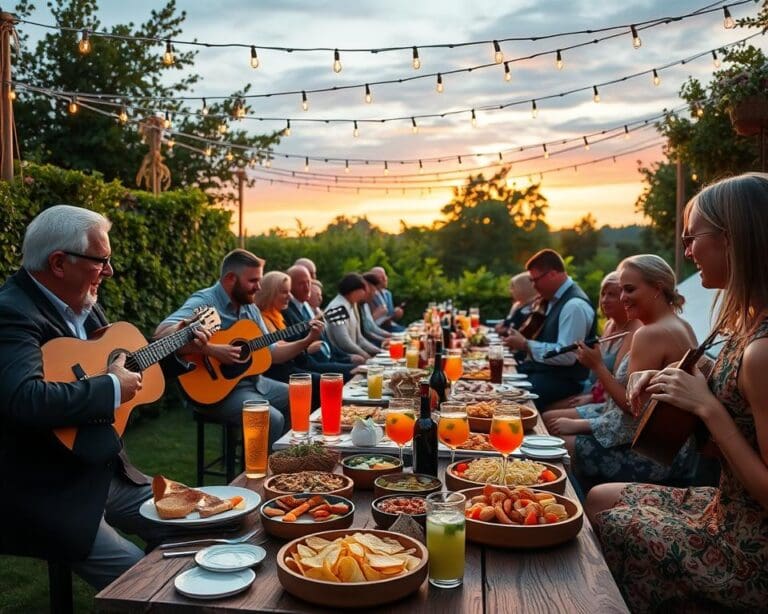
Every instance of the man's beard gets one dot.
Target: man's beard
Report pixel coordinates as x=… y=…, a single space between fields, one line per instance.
x=240 y=296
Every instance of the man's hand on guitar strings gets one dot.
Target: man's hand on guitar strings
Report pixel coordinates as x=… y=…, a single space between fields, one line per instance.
x=130 y=382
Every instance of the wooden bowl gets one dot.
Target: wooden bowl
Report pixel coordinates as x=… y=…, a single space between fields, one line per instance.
x=385 y=519
x=454 y=482
x=382 y=485
x=353 y=594
x=305 y=524
x=363 y=477
x=522 y=536
x=528 y=416
x=270 y=491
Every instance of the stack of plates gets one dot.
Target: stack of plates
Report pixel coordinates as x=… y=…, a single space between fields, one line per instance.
x=223 y=570
x=543 y=447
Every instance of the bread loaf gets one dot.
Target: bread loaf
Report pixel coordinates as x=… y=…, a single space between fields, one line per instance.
x=176 y=500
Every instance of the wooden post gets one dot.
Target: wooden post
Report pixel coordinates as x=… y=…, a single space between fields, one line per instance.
x=240 y=174
x=679 y=206
x=6 y=104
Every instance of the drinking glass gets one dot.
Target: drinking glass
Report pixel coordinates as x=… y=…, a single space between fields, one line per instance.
x=396 y=346
x=496 y=362
x=400 y=420
x=506 y=433
x=453 y=366
x=331 y=385
x=375 y=381
x=453 y=425
x=474 y=317
x=255 y=437
x=300 y=401
x=412 y=356
x=446 y=538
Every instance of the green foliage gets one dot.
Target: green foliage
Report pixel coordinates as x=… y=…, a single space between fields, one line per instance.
x=163 y=247
x=582 y=240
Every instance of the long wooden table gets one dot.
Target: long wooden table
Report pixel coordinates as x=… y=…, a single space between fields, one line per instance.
x=572 y=577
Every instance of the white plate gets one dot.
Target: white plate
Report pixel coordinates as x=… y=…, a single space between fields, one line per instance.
x=250 y=501
x=200 y=583
x=519 y=383
x=543 y=453
x=514 y=376
x=383 y=362
x=542 y=441
x=230 y=557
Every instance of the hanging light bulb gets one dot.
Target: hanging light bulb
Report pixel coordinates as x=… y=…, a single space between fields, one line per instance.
x=414 y=127
x=84 y=44
x=459 y=159
x=694 y=176
x=416 y=60
x=439 y=86
x=546 y=153
x=355 y=131
x=123 y=115
x=498 y=55
x=73 y=107
x=223 y=127
x=699 y=111
x=306 y=164
x=421 y=167
x=368 y=96
x=304 y=101
x=336 y=61
x=474 y=119
x=346 y=166
x=168 y=58
x=254 y=57
x=501 y=157
x=636 y=42
x=559 y=60
x=287 y=131
x=230 y=156
x=170 y=143
x=534 y=109
x=595 y=94
x=586 y=143
x=728 y=22
x=507 y=73
x=238 y=109
x=656 y=78
x=626 y=131
x=208 y=151
x=11 y=94
x=386 y=168
x=204 y=109
x=715 y=59
x=167 y=123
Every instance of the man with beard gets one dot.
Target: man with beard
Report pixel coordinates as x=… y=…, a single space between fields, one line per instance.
x=233 y=297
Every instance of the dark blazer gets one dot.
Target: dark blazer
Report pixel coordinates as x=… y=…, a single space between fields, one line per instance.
x=53 y=499
x=293 y=315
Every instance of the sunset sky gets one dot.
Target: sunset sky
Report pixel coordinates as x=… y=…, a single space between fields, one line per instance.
x=608 y=190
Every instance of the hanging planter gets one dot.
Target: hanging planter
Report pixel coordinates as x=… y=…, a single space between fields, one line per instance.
x=750 y=115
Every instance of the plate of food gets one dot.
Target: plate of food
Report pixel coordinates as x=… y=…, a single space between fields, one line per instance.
x=292 y=516
x=480 y=471
x=351 y=412
x=352 y=568
x=365 y=468
x=477 y=442
x=405 y=484
x=174 y=503
x=317 y=482
x=386 y=509
x=480 y=415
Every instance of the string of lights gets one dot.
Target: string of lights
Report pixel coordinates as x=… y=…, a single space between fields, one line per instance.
x=239 y=110
x=85 y=44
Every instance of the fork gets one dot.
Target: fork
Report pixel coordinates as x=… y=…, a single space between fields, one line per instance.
x=214 y=540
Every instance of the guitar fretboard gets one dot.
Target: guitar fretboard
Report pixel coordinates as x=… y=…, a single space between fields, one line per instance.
x=157 y=350
x=278 y=335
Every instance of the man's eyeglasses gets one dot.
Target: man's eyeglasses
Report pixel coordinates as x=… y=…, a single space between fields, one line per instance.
x=689 y=239
x=104 y=261
x=538 y=277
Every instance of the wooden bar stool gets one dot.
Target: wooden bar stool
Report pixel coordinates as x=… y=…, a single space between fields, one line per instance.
x=226 y=465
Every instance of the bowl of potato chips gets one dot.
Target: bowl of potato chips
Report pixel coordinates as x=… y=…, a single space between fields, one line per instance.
x=352 y=568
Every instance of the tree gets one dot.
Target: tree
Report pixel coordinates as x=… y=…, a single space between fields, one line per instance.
x=582 y=240
x=131 y=72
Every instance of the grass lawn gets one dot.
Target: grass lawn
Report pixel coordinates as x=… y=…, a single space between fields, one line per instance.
x=164 y=444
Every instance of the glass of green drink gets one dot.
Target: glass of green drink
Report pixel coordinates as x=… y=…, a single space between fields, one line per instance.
x=446 y=538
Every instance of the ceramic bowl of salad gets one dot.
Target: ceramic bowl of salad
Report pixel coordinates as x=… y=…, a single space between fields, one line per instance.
x=406 y=484
x=363 y=469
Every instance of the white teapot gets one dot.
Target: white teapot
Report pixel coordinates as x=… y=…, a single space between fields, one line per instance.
x=366 y=433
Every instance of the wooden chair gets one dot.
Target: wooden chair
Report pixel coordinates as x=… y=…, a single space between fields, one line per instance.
x=226 y=465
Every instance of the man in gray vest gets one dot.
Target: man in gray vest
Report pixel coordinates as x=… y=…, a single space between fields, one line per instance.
x=567 y=317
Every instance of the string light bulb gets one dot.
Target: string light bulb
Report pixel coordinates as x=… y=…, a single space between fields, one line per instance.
x=254 y=58
x=656 y=78
x=559 y=60
x=439 y=86
x=368 y=95
x=474 y=119
x=699 y=111
x=507 y=73
x=595 y=94
x=287 y=131
x=414 y=126
x=230 y=156
x=728 y=22
x=498 y=54
x=355 y=130
x=715 y=59
x=238 y=109
x=626 y=131
x=306 y=164
x=208 y=152
x=346 y=166
x=84 y=44
x=546 y=153
x=694 y=176
x=223 y=127
x=11 y=94
x=73 y=107
x=123 y=115
x=167 y=123
x=636 y=42
x=421 y=167
x=416 y=60
x=204 y=109
x=458 y=158
x=534 y=109
x=586 y=143
x=170 y=143
x=386 y=167
x=304 y=101
x=168 y=57
x=336 y=61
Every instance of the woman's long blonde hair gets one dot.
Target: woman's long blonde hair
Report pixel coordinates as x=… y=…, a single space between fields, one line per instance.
x=656 y=272
x=271 y=284
x=738 y=206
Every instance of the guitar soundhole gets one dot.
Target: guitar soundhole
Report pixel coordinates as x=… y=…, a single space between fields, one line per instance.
x=235 y=370
x=130 y=362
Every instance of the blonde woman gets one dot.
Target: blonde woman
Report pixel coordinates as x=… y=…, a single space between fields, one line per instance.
x=707 y=547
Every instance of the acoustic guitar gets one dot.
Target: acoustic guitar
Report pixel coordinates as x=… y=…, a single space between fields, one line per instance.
x=211 y=380
x=533 y=324
x=66 y=359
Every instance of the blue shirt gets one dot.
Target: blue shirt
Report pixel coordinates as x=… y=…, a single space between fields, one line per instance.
x=573 y=325
x=76 y=323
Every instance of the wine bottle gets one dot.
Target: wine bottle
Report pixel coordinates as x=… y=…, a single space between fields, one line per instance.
x=438 y=383
x=425 y=436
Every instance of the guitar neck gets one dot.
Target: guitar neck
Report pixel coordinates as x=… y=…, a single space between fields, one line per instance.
x=278 y=335
x=157 y=350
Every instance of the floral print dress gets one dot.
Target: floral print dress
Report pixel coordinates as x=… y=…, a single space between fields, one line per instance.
x=696 y=545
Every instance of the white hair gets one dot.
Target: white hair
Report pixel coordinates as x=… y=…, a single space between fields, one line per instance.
x=59 y=228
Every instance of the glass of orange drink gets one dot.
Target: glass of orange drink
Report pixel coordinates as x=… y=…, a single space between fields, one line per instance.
x=506 y=433
x=400 y=418
x=453 y=366
x=300 y=402
x=453 y=425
